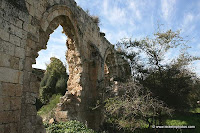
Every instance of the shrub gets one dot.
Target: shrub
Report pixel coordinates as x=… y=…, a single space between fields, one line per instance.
x=68 y=127
x=135 y=108
x=61 y=85
x=96 y=19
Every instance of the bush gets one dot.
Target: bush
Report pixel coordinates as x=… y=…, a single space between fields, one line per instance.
x=68 y=127
x=45 y=94
x=135 y=108
x=61 y=85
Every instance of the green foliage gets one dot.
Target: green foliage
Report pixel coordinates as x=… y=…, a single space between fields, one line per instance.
x=176 y=122
x=38 y=72
x=45 y=94
x=68 y=127
x=195 y=110
x=174 y=83
x=51 y=105
x=61 y=85
x=54 y=80
x=170 y=81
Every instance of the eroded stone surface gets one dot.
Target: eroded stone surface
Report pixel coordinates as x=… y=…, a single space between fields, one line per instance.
x=25 y=27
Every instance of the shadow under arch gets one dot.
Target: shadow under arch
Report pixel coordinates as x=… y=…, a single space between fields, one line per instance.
x=110 y=66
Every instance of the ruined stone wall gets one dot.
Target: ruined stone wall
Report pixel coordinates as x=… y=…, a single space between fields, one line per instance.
x=25 y=26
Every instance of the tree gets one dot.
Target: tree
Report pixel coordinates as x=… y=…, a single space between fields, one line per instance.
x=134 y=108
x=169 y=81
x=54 y=80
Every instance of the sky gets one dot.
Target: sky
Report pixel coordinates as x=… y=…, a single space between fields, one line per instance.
x=56 y=47
x=136 y=19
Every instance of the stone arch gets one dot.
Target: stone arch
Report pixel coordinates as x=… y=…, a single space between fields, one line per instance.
x=55 y=16
x=61 y=15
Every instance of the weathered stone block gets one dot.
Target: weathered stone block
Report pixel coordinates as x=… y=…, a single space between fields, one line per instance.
x=32 y=10
x=51 y=2
x=20 y=52
x=5 y=102
x=16 y=115
x=4 y=60
x=1 y=128
x=19 y=23
x=25 y=26
x=28 y=64
x=21 y=64
x=61 y=114
x=31 y=44
x=31 y=110
x=4 y=35
x=30 y=98
x=2 y=116
x=15 y=40
x=4 y=25
x=19 y=4
x=18 y=91
x=30 y=2
x=11 y=75
x=14 y=63
x=14 y=127
x=38 y=13
x=7 y=128
x=7 y=47
x=15 y=103
x=16 y=31
x=0 y=87
x=8 y=89
x=34 y=87
x=23 y=42
x=1 y=103
x=27 y=76
x=32 y=29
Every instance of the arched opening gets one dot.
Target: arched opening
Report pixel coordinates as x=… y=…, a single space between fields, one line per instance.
x=72 y=55
x=74 y=62
x=52 y=71
x=31 y=86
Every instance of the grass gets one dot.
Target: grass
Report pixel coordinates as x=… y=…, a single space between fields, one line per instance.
x=52 y=104
x=185 y=119
x=196 y=110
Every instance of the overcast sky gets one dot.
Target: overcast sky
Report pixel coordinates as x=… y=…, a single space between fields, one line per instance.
x=135 y=19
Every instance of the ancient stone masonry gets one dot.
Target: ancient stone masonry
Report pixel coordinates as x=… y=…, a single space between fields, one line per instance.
x=25 y=26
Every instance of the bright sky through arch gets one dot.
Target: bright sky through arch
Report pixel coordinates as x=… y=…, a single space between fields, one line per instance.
x=56 y=47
